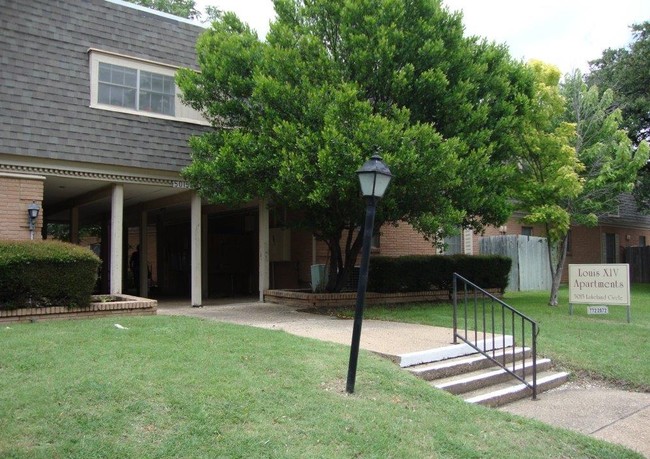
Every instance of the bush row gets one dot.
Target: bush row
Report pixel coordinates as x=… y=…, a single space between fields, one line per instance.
x=424 y=273
x=46 y=273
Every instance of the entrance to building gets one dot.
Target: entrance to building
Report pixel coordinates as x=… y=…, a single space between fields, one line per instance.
x=231 y=260
x=174 y=259
x=232 y=254
x=610 y=248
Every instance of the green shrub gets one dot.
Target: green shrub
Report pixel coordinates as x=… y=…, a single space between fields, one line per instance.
x=46 y=273
x=422 y=273
x=486 y=271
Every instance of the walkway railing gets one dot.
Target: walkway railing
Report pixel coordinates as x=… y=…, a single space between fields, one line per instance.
x=495 y=329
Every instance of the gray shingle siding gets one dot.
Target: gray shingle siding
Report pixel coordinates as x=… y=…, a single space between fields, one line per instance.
x=45 y=95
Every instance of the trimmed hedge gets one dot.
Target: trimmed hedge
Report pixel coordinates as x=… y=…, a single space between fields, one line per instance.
x=46 y=273
x=418 y=273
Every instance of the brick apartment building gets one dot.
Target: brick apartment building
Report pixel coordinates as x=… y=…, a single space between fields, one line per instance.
x=92 y=130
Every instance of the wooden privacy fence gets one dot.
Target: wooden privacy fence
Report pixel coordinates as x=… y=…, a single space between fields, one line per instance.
x=639 y=260
x=530 y=269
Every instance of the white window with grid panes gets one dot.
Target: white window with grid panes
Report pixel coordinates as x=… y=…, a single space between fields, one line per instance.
x=119 y=83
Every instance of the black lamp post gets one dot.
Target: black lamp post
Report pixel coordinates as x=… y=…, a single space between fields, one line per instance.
x=32 y=215
x=374 y=177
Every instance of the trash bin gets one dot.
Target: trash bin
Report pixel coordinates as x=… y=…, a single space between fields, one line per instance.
x=318 y=278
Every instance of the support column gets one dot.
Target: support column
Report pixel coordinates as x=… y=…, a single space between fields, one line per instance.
x=195 y=234
x=161 y=237
x=117 y=223
x=74 y=225
x=144 y=256
x=264 y=279
x=204 y=256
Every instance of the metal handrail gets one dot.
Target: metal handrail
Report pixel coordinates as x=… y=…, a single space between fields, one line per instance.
x=479 y=320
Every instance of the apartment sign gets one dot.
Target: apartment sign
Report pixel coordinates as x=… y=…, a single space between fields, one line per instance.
x=599 y=284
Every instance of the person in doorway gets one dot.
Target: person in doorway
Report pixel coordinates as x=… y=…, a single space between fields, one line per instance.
x=134 y=264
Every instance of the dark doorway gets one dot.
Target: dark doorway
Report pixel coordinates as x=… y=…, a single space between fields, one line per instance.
x=610 y=248
x=232 y=253
x=174 y=259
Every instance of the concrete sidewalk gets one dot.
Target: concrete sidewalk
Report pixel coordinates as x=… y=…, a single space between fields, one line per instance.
x=593 y=409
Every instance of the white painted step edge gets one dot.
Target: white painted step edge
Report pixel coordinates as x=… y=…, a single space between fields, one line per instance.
x=469 y=360
x=489 y=374
x=448 y=352
x=516 y=388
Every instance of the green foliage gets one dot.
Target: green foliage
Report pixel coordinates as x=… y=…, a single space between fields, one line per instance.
x=409 y=273
x=610 y=161
x=422 y=273
x=486 y=271
x=335 y=82
x=625 y=71
x=182 y=8
x=61 y=231
x=549 y=165
x=577 y=160
x=46 y=273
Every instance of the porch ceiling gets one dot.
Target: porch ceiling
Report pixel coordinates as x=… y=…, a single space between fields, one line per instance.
x=92 y=197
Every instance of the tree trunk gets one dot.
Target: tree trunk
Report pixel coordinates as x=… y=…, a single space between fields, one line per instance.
x=342 y=264
x=557 y=268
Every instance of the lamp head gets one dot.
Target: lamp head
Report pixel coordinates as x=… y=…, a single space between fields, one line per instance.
x=32 y=211
x=374 y=177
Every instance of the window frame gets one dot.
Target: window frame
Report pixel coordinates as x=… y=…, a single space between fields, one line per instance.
x=182 y=112
x=453 y=245
x=527 y=231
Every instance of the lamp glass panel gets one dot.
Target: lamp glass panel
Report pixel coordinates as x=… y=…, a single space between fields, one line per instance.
x=367 y=181
x=381 y=183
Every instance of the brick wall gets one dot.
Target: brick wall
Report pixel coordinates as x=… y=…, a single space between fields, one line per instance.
x=403 y=240
x=586 y=243
x=585 y=246
x=18 y=192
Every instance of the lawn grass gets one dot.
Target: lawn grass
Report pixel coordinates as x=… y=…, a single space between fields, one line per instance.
x=600 y=346
x=186 y=388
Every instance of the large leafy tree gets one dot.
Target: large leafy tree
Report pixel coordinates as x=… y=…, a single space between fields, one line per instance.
x=337 y=81
x=182 y=8
x=594 y=158
x=549 y=167
x=625 y=71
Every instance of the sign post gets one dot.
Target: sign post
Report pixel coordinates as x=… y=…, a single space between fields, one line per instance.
x=604 y=284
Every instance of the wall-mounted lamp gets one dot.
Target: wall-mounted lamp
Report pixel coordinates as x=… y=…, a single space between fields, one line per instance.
x=503 y=229
x=32 y=215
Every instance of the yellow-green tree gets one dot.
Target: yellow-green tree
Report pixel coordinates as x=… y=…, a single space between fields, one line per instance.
x=575 y=162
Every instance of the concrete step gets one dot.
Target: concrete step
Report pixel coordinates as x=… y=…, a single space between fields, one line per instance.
x=462 y=365
x=504 y=393
x=459 y=384
x=451 y=351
